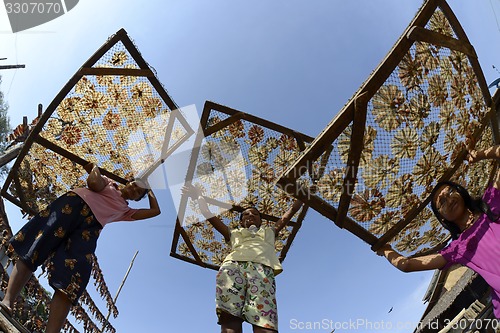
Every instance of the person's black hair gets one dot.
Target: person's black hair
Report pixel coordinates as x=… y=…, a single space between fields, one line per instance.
x=475 y=205
x=143 y=195
x=142 y=184
x=250 y=207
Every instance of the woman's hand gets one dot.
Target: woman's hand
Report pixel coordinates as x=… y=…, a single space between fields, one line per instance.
x=152 y=211
x=195 y=193
x=191 y=191
x=95 y=181
x=385 y=247
x=88 y=167
x=473 y=156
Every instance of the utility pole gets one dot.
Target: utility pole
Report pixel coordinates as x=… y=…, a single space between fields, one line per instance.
x=10 y=66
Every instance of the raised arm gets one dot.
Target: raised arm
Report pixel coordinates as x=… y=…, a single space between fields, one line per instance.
x=483 y=154
x=404 y=264
x=283 y=221
x=216 y=222
x=95 y=182
x=152 y=211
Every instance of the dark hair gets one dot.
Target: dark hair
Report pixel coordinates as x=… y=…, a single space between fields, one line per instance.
x=142 y=184
x=247 y=208
x=475 y=205
x=143 y=195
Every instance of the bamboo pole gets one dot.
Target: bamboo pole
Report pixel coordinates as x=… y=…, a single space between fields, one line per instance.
x=119 y=289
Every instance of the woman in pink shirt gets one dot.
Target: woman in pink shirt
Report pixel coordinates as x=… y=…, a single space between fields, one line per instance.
x=64 y=236
x=474 y=227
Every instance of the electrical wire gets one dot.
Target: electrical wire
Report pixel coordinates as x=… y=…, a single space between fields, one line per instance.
x=15 y=70
x=495 y=14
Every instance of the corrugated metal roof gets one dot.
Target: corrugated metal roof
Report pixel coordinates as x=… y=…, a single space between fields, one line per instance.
x=447 y=299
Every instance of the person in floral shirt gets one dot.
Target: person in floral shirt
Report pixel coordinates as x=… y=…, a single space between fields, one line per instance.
x=245 y=284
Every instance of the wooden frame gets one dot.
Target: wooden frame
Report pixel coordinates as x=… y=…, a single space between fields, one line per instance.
x=422 y=35
x=116 y=65
x=91 y=68
x=211 y=131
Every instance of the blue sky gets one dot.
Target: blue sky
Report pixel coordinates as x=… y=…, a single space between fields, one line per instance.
x=292 y=62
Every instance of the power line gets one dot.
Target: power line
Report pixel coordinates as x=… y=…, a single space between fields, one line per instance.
x=495 y=14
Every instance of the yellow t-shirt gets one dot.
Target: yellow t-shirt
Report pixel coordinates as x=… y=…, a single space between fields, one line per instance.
x=256 y=247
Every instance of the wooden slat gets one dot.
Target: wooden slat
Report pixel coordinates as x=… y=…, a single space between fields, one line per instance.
x=20 y=193
x=355 y=150
x=9 y=325
x=99 y=71
x=222 y=124
x=18 y=203
x=317 y=147
x=374 y=82
x=398 y=227
x=179 y=229
x=209 y=105
x=105 y=48
x=435 y=38
x=329 y=211
x=75 y=158
x=459 y=31
x=175 y=238
x=495 y=119
x=143 y=65
x=295 y=229
x=129 y=45
x=433 y=249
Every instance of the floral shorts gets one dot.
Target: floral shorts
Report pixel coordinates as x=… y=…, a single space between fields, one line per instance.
x=247 y=290
x=63 y=237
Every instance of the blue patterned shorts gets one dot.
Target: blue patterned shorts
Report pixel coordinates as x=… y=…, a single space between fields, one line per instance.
x=63 y=237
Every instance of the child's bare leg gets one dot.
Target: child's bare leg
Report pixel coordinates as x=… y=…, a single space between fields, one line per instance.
x=59 y=308
x=18 y=278
x=230 y=323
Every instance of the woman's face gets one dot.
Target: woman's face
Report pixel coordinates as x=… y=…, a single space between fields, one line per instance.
x=250 y=216
x=132 y=191
x=449 y=203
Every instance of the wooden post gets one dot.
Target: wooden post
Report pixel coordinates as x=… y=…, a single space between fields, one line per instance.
x=10 y=154
x=10 y=325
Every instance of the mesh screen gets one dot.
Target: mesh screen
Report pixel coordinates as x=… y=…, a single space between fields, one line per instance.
x=119 y=122
x=419 y=119
x=417 y=123
x=113 y=112
x=236 y=167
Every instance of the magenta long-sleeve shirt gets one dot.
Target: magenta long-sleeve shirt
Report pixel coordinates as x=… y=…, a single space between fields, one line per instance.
x=479 y=248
